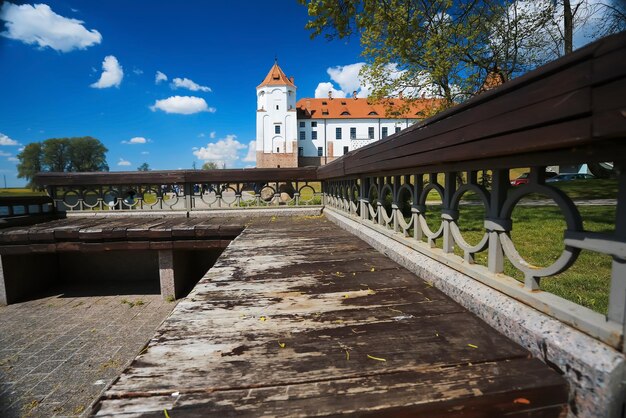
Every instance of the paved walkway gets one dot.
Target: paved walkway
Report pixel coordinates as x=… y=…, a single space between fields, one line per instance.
x=59 y=350
x=300 y=318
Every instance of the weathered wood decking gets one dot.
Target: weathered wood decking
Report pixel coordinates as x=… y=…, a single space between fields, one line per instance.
x=299 y=318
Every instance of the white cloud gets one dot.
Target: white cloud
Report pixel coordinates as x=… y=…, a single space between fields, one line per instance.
x=137 y=140
x=20 y=149
x=323 y=88
x=347 y=76
x=145 y=152
x=5 y=140
x=123 y=162
x=112 y=73
x=5 y=154
x=186 y=83
x=183 y=105
x=38 y=24
x=138 y=71
x=13 y=159
x=224 y=151
x=212 y=135
x=201 y=135
x=251 y=155
x=159 y=77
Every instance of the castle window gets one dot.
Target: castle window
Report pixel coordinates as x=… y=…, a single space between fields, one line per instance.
x=302 y=135
x=302 y=124
x=385 y=132
x=343 y=103
x=313 y=134
x=370 y=132
x=277 y=149
x=324 y=111
x=313 y=124
x=276 y=107
x=276 y=129
x=352 y=133
x=320 y=151
x=372 y=113
x=398 y=129
x=337 y=133
x=345 y=113
x=324 y=103
x=345 y=150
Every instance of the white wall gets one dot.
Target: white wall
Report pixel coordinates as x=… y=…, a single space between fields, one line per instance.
x=328 y=127
x=276 y=106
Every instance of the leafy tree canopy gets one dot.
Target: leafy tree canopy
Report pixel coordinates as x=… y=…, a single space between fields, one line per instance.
x=62 y=155
x=144 y=167
x=210 y=165
x=454 y=49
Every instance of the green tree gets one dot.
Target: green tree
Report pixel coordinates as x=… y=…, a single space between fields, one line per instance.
x=444 y=48
x=210 y=165
x=30 y=162
x=62 y=154
x=56 y=154
x=87 y=154
x=144 y=167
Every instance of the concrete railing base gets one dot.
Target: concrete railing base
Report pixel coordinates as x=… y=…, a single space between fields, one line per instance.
x=594 y=370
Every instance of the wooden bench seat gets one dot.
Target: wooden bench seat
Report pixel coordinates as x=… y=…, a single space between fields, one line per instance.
x=31 y=256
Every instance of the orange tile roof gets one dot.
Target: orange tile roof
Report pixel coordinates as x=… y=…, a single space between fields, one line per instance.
x=276 y=77
x=351 y=108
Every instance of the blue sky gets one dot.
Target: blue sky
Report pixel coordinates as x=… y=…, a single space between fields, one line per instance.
x=53 y=85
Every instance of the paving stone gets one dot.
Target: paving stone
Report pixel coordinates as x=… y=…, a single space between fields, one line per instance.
x=54 y=349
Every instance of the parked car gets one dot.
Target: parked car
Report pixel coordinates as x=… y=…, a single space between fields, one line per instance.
x=524 y=177
x=569 y=177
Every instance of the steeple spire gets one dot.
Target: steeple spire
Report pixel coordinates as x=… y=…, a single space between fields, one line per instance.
x=276 y=77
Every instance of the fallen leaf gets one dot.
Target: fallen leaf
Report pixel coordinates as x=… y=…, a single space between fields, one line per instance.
x=373 y=269
x=166 y=414
x=472 y=345
x=370 y=292
x=347 y=355
x=376 y=358
x=281 y=345
x=262 y=319
x=523 y=401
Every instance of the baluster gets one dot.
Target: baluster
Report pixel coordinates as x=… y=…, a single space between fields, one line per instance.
x=448 y=214
x=188 y=191
x=617 y=294
x=493 y=224
x=364 y=197
x=417 y=210
x=394 y=204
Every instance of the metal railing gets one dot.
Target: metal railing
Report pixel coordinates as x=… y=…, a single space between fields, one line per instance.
x=568 y=112
x=182 y=190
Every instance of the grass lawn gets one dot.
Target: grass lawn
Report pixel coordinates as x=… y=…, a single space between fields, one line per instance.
x=20 y=192
x=537 y=234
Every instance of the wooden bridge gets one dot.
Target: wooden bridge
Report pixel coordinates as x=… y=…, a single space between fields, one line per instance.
x=300 y=318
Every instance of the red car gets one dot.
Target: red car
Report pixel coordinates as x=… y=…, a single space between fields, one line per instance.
x=523 y=178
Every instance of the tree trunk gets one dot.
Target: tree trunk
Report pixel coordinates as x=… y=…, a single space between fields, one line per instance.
x=568 y=21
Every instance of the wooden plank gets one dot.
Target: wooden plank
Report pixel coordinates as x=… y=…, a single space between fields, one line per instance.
x=535 y=140
x=176 y=177
x=317 y=310
x=546 y=99
x=451 y=392
x=526 y=119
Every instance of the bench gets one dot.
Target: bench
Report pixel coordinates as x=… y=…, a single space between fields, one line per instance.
x=177 y=248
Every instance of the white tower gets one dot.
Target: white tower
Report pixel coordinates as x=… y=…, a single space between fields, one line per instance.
x=276 y=121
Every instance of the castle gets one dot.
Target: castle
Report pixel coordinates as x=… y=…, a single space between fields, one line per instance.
x=313 y=132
